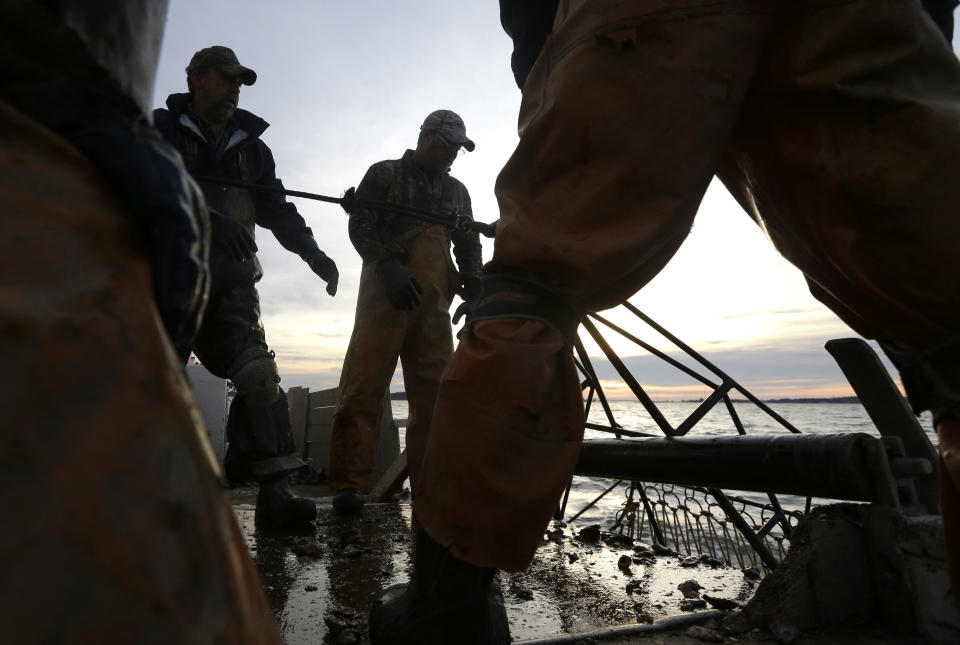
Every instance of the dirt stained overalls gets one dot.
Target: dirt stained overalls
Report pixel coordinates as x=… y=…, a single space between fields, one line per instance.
x=834 y=123
x=421 y=338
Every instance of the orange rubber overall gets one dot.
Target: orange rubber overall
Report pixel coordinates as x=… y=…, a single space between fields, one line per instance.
x=117 y=527
x=836 y=125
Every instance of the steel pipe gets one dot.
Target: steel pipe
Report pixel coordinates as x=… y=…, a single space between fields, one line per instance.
x=834 y=466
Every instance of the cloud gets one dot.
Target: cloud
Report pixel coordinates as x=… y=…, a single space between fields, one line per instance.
x=766 y=373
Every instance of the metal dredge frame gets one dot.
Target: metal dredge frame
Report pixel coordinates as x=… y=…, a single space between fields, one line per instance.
x=721 y=385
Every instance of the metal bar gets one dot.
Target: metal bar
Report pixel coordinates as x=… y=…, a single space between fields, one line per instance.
x=766 y=408
x=703 y=408
x=887 y=408
x=654 y=524
x=628 y=378
x=590 y=372
x=656 y=352
x=583 y=370
x=778 y=510
x=716 y=370
x=676 y=341
x=621 y=633
x=268 y=189
x=773 y=521
x=350 y=201
x=558 y=515
x=833 y=466
x=745 y=530
x=618 y=430
x=596 y=499
x=733 y=415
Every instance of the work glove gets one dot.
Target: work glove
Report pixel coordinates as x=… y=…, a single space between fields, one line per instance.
x=326 y=268
x=403 y=289
x=467 y=223
x=231 y=237
x=471 y=298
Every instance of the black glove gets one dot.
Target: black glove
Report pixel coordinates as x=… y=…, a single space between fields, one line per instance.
x=231 y=236
x=403 y=289
x=471 y=298
x=326 y=268
x=467 y=223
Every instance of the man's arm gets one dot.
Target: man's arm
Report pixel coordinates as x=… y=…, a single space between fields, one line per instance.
x=287 y=225
x=467 y=251
x=280 y=216
x=402 y=289
x=363 y=230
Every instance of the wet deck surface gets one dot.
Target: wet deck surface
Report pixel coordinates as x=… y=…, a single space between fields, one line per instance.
x=322 y=581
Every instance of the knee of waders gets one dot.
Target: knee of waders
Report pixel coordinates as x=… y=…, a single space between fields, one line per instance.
x=931 y=379
x=507 y=297
x=255 y=374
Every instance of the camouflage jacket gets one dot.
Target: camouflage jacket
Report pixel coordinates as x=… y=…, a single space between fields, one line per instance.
x=400 y=181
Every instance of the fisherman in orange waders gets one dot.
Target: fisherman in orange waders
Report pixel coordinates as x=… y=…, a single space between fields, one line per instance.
x=117 y=525
x=406 y=286
x=835 y=124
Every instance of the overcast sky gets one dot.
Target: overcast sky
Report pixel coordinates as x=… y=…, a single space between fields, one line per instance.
x=346 y=84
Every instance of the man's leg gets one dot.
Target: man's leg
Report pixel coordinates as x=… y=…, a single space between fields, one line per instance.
x=623 y=120
x=848 y=153
x=118 y=526
x=232 y=344
x=371 y=359
x=425 y=354
x=624 y=117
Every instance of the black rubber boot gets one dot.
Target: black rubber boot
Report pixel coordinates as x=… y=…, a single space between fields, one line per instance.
x=446 y=601
x=348 y=500
x=278 y=505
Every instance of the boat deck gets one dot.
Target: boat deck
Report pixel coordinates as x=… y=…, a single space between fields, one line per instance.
x=321 y=581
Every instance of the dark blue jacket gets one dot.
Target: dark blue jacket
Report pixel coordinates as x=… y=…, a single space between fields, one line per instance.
x=244 y=158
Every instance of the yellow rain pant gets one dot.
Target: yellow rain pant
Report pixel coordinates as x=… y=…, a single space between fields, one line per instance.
x=116 y=527
x=835 y=123
x=420 y=338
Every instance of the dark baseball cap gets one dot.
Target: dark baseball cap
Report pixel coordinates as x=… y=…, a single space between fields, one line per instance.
x=223 y=59
x=450 y=126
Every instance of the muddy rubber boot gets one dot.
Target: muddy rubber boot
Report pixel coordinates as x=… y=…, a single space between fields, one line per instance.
x=278 y=505
x=446 y=601
x=348 y=500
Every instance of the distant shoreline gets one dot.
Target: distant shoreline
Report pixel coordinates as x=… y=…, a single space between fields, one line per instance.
x=402 y=396
x=834 y=399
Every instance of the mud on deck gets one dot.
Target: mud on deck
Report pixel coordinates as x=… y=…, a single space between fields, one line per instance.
x=321 y=581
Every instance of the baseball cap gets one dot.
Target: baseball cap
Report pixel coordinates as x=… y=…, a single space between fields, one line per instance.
x=224 y=59
x=450 y=126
